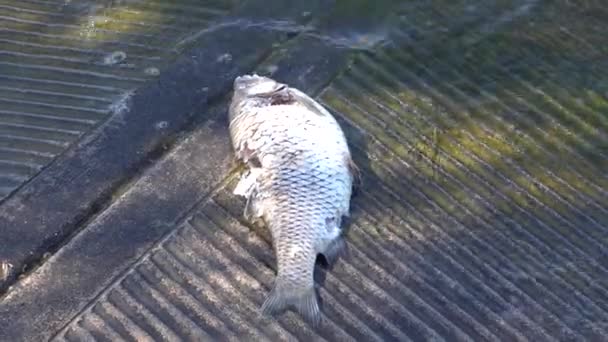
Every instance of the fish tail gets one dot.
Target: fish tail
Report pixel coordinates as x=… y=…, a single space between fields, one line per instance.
x=303 y=300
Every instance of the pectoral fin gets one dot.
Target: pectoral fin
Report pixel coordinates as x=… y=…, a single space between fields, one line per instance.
x=334 y=249
x=246 y=184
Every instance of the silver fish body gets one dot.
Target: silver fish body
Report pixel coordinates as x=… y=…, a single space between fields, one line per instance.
x=299 y=181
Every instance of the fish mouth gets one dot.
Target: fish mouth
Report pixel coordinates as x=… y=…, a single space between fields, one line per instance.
x=247 y=78
x=244 y=81
x=254 y=85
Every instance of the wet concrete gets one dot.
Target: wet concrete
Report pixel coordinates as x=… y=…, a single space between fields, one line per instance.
x=480 y=130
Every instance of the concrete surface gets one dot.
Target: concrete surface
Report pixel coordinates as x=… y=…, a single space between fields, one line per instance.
x=480 y=128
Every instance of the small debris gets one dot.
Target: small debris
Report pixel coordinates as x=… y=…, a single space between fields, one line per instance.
x=122 y=104
x=162 y=125
x=115 y=57
x=5 y=270
x=225 y=58
x=152 y=71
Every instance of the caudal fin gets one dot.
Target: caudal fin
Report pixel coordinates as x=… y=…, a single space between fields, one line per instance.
x=302 y=300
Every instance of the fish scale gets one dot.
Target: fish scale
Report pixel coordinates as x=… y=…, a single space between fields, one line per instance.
x=299 y=182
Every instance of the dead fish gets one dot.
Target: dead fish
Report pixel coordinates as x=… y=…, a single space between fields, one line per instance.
x=299 y=182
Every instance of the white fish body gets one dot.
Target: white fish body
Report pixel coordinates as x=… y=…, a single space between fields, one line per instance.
x=299 y=182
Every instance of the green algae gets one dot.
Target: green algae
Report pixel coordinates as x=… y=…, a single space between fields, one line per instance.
x=441 y=139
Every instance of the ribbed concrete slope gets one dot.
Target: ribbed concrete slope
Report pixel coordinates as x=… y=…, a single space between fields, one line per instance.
x=481 y=134
x=481 y=130
x=64 y=64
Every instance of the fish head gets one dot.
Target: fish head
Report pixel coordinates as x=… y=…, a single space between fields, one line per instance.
x=248 y=86
x=253 y=91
